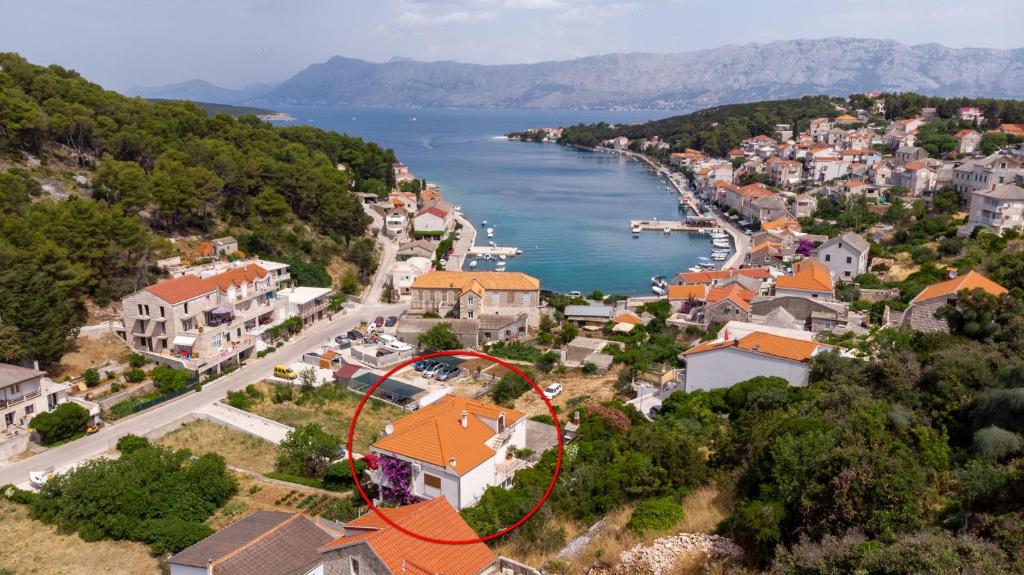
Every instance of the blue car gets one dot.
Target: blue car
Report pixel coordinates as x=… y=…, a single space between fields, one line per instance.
x=424 y=364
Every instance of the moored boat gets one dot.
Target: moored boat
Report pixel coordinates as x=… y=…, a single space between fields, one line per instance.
x=658 y=290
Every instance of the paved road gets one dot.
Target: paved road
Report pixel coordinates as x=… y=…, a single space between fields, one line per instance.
x=144 y=422
x=255 y=369
x=457 y=260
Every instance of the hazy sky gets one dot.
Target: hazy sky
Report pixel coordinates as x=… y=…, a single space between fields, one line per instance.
x=123 y=43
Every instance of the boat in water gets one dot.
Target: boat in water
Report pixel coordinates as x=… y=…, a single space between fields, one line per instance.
x=473 y=264
x=490 y=232
x=635 y=228
x=695 y=268
x=659 y=281
x=668 y=230
x=501 y=257
x=519 y=251
x=658 y=290
x=483 y=223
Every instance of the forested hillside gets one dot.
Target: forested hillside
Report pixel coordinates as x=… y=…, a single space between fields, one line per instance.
x=717 y=130
x=134 y=172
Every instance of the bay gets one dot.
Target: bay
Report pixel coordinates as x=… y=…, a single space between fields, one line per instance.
x=567 y=209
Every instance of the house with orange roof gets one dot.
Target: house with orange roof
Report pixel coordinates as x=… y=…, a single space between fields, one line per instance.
x=431 y=194
x=716 y=276
x=369 y=545
x=920 y=313
x=436 y=217
x=474 y=294
x=204 y=321
x=766 y=253
x=916 y=176
x=454 y=448
x=967 y=141
x=724 y=362
x=731 y=302
x=810 y=278
x=1012 y=130
x=845 y=120
x=403 y=200
x=785 y=173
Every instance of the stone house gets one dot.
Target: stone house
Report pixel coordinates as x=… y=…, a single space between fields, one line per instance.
x=920 y=314
x=470 y=295
x=845 y=255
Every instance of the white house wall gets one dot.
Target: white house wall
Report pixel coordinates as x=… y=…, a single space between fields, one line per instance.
x=726 y=367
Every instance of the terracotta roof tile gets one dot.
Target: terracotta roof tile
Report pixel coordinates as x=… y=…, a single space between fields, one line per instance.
x=697 y=291
x=808 y=275
x=180 y=289
x=969 y=281
x=435 y=434
x=487 y=280
x=765 y=343
x=403 y=553
x=734 y=292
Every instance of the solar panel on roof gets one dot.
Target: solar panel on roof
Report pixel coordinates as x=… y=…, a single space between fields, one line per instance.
x=389 y=389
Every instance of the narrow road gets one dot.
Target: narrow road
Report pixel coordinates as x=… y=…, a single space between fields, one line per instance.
x=254 y=370
x=457 y=260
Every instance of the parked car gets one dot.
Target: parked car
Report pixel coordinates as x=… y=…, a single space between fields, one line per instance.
x=284 y=372
x=432 y=370
x=447 y=374
x=424 y=364
x=379 y=322
x=343 y=342
x=392 y=320
x=355 y=335
x=371 y=328
x=552 y=390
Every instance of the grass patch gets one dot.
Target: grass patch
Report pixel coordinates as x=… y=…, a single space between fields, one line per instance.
x=295 y=479
x=330 y=406
x=32 y=547
x=238 y=449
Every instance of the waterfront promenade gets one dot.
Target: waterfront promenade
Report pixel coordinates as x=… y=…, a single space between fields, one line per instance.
x=740 y=241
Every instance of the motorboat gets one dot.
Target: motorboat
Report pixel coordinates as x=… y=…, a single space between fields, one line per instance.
x=708 y=266
x=668 y=230
x=487 y=257
x=702 y=258
x=659 y=281
x=501 y=257
x=490 y=232
x=483 y=223
x=519 y=251
x=473 y=264
x=695 y=268
x=492 y=244
x=658 y=290
x=636 y=229
x=719 y=258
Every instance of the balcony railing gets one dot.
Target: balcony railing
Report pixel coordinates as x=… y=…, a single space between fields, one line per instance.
x=20 y=399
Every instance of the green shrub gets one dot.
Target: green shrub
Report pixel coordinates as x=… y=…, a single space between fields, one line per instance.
x=292 y=478
x=171 y=534
x=91 y=377
x=997 y=443
x=116 y=387
x=129 y=443
x=282 y=393
x=168 y=379
x=253 y=392
x=239 y=400
x=509 y=388
x=136 y=360
x=657 y=514
x=121 y=409
x=339 y=477
x=589 y=368
x=544 y=418
x=67 y=420
x=134 y=375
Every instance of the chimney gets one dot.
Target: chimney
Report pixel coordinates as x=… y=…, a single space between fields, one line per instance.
x=951 y=273
x=451 y=462
x=388 y=428
x=464 y=420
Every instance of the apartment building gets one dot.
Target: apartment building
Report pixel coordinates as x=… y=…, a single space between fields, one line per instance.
x=1000 y=208
x=982 y=174
x=202 y=322
x=470 y=295
x=24 y=393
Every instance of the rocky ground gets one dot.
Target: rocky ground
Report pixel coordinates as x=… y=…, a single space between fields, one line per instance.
x=659 y=557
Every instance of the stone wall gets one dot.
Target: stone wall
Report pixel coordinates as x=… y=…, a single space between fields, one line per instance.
x=921 y=316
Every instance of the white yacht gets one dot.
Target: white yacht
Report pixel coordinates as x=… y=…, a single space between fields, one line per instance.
x=636 y=228
x=490 y=232
x=668 y=230
x=472 y=264
x=501 y=257
x=696 y=268
x=484 y=223
x=658 y=290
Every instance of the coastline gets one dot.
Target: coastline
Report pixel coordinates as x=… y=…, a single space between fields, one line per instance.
x=741 y=242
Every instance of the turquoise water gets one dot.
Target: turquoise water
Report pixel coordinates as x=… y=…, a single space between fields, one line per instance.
x=567 y=209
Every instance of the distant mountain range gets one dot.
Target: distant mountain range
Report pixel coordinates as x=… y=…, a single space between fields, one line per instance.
x=683 y=81
x=202 y=91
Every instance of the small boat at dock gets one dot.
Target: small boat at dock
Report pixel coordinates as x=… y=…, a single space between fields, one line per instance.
x=668 y=230
x=659 y=281
x=695 y=268
x=490 y=232
x=473 y=264
x=658 y=290
x=636 y=228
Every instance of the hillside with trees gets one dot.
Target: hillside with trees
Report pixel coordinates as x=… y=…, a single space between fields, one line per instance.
x=93 y=184
x=717 y=130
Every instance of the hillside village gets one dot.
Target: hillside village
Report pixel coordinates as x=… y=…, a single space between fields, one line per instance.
x=847 y=375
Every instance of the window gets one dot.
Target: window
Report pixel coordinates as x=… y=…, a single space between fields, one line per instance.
x=469 y=314
x=186 y=307
x=495 y=298
x=238 y=332
x=30 y=409
x=353 y=566
x=849 y=259
x=846 y=273
x=431 y=481
x=526 y=298
x=828 y=257
x=162 y=312
x=9 y=418
x=140 y=309
x=147 y=309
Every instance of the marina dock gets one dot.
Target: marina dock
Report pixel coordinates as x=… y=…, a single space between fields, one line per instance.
x=493 y=251
x=672 y=226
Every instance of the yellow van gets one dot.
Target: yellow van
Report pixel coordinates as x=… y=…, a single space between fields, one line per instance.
x=284 y=372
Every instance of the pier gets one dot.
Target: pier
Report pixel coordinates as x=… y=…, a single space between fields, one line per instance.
x=671 y=225
x=492 y=250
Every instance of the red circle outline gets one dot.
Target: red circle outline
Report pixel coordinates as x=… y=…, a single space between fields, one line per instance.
x=547 y=492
